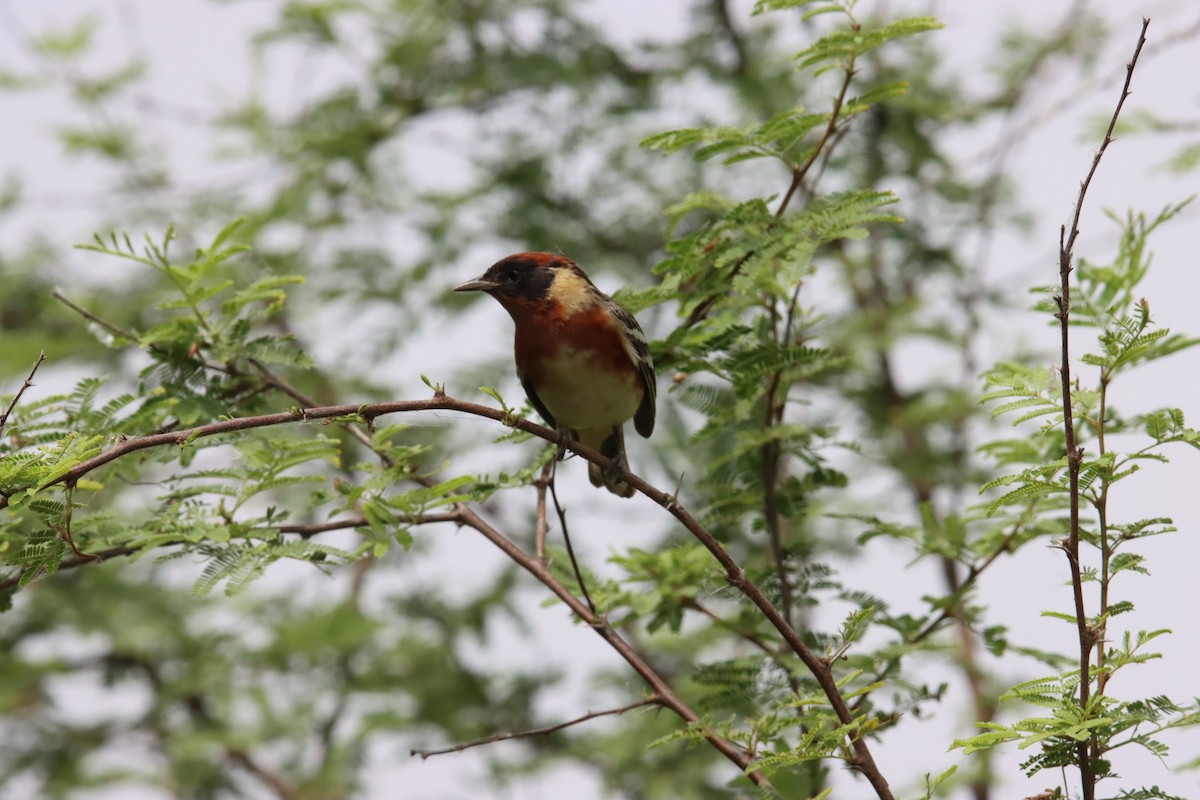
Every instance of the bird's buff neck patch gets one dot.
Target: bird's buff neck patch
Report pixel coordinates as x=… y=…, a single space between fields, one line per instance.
x=573 y=292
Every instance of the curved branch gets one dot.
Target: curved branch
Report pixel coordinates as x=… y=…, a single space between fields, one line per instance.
x=820 y=667
x=665 y=694
x=25 y=385
x=305 y=531
x=834 y=117
x=543 y=731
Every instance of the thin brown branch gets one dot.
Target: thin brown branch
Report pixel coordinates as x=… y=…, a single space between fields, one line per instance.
x=659 y=687
x=798 y=174
x=543 y=731
x=1086 y=751
x=562 y=521
x=834 y=117
x=720 y=10
x=291 y=391
x=770 y=456
x=752 y=638
x=304 y=531
x=466 y=516
x=24 y=385
x=822 y=670
x=541 y=526
x=314 y=528
x=272 y=781
x=770 y=453
x=963 y=585
x=749 y=636
x=132 y=336
x=113 y=328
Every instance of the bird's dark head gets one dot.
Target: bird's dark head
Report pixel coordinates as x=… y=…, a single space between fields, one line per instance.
x=525 y=277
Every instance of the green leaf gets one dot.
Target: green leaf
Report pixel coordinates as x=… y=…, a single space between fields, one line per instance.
x=843 y=45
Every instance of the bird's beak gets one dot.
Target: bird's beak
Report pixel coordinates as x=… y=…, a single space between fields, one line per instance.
x=478 y=285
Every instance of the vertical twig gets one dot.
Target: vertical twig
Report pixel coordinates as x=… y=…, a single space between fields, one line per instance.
x=661 y=690
x=541 y=527
x=17 y=397
x=1086 y=751
x=770 y=453
x=834 y=117
x=562 y=520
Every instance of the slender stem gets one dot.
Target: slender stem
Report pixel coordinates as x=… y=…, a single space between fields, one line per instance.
x=541 y=527
x=562 y=520
x=824 y=146
x=543 y=731
x=111 y=327
x=1086 y=751
x=770 y=458
x=752 y=638
x=275 y=783
x=770 y=453
x=799 y=172
x=25 y=385
x=1101 y=505
x=304 y=531
x=666 y=696
x=821 y=669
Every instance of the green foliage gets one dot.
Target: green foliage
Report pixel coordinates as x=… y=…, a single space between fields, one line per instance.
x=785 y=248
x=1107 y=301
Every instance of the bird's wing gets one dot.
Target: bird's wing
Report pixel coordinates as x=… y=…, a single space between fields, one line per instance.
x=538 y=405
x=643 y=420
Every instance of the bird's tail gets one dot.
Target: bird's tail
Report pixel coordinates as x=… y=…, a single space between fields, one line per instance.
x=611 y=444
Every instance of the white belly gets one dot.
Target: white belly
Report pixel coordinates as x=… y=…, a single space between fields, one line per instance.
x=581 y=394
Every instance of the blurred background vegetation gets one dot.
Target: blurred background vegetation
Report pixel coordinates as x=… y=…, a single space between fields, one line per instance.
x=385 y=150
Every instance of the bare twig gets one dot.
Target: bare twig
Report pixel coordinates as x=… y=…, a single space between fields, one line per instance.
x=544 y=731
x=541 y=526
x=964 y=584
x=272 y=781
x=25 y=385
x=113 y=328
x=824 y=144
x=562 y=520
x=666 y=696
x=834 y=117
x=314 y=528
x=304 y=531
x=1086 y=751
x=720 y=10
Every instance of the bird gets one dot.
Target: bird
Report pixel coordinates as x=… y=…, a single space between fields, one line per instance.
x=582 y=359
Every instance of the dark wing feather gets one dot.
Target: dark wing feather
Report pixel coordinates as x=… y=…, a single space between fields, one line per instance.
x=643 y=420
x=538 y=405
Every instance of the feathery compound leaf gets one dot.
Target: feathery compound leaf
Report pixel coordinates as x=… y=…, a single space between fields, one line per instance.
x=763 y=6
x=40 y=554
x=843 y=45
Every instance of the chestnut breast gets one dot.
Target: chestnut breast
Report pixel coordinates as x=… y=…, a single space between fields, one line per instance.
x=577 y=363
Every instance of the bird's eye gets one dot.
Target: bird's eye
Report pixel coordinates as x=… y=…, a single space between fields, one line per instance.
x=511 y=276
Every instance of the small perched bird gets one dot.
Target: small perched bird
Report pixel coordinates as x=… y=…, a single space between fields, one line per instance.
x=581 y=357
